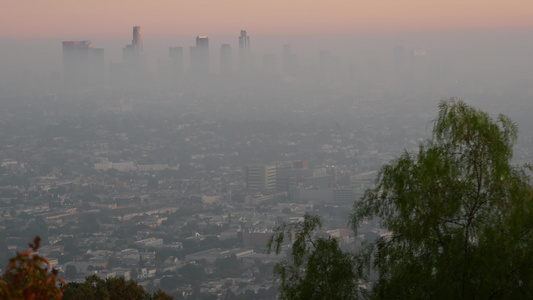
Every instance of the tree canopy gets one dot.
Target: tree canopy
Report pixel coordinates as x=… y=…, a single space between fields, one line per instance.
x=30 y=276
x=317 y=268
x=459 y=215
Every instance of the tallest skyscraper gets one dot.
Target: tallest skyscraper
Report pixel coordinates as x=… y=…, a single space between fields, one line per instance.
x=133 y=69
x=131 y=54
x=244 y=51
x=137 y=41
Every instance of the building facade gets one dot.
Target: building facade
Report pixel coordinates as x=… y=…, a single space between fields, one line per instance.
x=261 y=178
x=200 y=55
x=83 y=65
x=226 y=60
x=244 y=51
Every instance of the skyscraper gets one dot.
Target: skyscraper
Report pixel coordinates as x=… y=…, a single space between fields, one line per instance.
x=131 y=54
x=261 y=178
x=226 y=60
x=132 y=71
x=83 y=65
x=137 y=41
x=202 y=41
x=244 y=51
x=200 y=55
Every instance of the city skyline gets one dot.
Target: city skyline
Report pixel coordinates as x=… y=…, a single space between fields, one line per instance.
x=459 y=50
x=32 y=19
x=280 y=58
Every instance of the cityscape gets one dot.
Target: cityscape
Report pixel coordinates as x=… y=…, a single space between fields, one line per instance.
x=85 y=66
x=175 y=171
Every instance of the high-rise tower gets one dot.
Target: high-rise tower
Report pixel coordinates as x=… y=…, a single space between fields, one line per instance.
x=83 y=65
x=261 y=178
x=131 y=54
x=137 y=41
x=226 y=60
x=133 y=70
x=202 y=41
x=244 y=51
x=200 y=55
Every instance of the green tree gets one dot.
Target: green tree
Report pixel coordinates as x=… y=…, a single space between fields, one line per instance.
x=459 y=215
x=160 y=295
x=318 y=268
x=119 y=288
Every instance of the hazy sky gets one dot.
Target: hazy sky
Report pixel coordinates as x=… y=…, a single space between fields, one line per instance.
x=81 y=19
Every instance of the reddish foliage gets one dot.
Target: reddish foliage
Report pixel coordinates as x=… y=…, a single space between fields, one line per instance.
x=29 y=276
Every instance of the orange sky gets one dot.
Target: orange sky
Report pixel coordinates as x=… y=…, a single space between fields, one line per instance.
x=77 y=19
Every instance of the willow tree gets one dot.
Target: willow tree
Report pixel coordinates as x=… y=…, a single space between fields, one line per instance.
x=459 y=214
x=316 y=267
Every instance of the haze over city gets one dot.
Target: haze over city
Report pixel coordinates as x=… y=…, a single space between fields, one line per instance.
x=164 y=141
x=36 y=28
x=67 y=19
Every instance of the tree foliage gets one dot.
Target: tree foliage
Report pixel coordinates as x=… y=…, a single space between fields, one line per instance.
x=30 y=276
x=460 y=215
x=318 y=268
